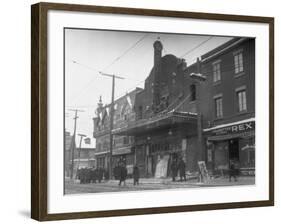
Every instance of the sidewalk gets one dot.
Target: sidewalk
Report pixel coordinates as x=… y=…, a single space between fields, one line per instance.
x=73 y=186
x=224 y=181
x=221 y=181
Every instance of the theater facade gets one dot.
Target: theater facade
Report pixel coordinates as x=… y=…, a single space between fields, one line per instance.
x=211 y=119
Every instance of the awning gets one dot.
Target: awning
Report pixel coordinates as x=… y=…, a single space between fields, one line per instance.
x=122 y=151
x=229 y=124
x=101 y=153
x=157 y=122
x=81 y=160
x=231 y=136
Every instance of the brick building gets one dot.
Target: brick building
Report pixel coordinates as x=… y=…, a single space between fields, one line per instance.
x=179 y=117
x=229 y=107
x=166 y=117
x=123 y=146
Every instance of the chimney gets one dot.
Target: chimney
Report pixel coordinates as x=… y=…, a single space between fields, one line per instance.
x=158 y=47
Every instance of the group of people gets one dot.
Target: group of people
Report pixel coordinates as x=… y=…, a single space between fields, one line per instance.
x=121 y=173
x=178 y=167
x=91 y=175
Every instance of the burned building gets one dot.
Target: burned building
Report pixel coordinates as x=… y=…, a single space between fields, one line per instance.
x=203 y=112
x=166 y=117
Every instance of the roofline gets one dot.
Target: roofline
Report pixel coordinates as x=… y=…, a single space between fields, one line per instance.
x=137 y=89
x=220 y=49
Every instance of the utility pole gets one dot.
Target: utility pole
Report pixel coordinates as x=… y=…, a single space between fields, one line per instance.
x=81 y=137
x=199 y=78
x=111 y=119
x=73 y=140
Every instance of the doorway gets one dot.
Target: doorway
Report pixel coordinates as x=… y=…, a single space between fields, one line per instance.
x=233 y=149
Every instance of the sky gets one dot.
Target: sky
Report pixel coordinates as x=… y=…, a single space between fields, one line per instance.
x=127 y=54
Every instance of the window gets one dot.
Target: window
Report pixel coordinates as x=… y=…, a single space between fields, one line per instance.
x=192 y=92
x=218 y=107
x=216 y=72
x=238 y=62
x=125 y=140
x=242 y=101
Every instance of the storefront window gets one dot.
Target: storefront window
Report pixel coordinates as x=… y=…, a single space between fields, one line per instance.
x=247 y=151
x=221 y=156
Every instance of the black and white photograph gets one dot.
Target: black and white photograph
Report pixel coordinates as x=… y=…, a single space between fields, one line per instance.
x=157 y=111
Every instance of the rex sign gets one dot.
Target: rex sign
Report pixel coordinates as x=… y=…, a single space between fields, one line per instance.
x=237 y=128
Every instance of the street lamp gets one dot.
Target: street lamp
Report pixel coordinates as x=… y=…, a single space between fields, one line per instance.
x=198 y=77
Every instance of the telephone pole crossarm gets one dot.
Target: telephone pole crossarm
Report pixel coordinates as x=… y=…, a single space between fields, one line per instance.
x=111 y=75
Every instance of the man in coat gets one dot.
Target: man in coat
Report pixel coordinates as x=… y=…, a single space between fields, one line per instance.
x=232 y=171
x=123 y=174
x=181 y=167
x=136 y=175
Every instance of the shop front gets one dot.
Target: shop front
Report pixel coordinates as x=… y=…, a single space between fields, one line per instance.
x=161 y=140
x=231 y=143
x=156 y=151
x=124 y=155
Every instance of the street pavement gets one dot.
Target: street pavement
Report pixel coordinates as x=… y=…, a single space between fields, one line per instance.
x=74 y=187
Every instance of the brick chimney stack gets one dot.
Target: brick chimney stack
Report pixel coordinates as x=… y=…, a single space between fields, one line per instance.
x=158 y=47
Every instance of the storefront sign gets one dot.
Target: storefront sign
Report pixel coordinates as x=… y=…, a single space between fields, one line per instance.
x=233 y=129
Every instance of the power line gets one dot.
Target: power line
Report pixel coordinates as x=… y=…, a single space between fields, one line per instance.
x=130 y=89
x=84 y=65
x=199 y=45
x=225 y=68
x=126 y=51
x=85 y=88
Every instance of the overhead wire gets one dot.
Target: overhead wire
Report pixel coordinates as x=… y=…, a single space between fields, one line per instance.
x=123 y=54
x=126 y=51
x=197 y=46
x=85 y=88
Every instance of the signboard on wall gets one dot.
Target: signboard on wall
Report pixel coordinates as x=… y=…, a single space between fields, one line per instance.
x=234 y=129
x=203 y=172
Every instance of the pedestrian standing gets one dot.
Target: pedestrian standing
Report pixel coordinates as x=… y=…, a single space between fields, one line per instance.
x=174 y=169
x=123 y=174
x=232 y=171
x=136 y=175
x=182 y=170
